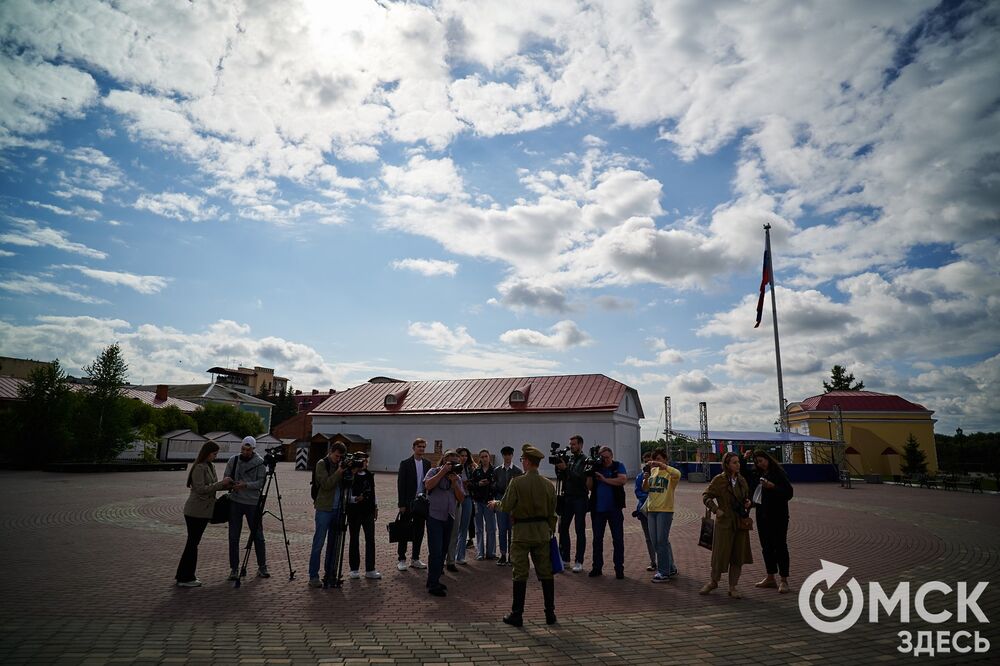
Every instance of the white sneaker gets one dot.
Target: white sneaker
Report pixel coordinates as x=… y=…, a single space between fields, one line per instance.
x=402 y=566
x=189 y=583
x=577 y=567
x=373 y=575
x=417 y=564
x=355 y=575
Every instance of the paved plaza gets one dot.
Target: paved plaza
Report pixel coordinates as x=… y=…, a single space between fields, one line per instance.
x=88 y=564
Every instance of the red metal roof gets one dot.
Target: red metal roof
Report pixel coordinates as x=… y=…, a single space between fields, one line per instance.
x=860 y=401
x=9 y=387
x=547 y=394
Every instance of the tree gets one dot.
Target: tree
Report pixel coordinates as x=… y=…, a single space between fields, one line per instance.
x=914 y=460
x=284 y=407
x=841 y=380
x=104 y=423
x=214 y=417
x=43 y=418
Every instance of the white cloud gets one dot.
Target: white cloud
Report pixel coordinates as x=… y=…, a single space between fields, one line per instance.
x=34 y=94
x=34 y=284
x=28 y=233
x=562 y=336
x=428 y=267
x=462 y=356
x=144 y=284
x=422 y=176
x=177 y=205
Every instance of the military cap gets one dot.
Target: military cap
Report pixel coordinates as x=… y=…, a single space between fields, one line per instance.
x=528 y=451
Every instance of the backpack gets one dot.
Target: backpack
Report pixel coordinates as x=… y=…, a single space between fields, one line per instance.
x=313 y=486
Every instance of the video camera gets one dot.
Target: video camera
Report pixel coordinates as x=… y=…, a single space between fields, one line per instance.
x=593 y=461
x=273 y=455
x=353 y=460
x=557 y=455
x=456 y=467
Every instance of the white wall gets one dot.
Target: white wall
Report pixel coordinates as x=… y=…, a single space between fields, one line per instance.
x=393 y=434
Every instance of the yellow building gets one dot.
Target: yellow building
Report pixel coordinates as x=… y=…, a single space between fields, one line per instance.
x=876 y=427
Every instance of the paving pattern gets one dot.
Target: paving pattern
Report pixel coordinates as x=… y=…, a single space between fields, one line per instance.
x=88 y=564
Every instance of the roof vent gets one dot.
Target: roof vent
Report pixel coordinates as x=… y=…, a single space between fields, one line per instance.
x=394 y=400
x=519 y=396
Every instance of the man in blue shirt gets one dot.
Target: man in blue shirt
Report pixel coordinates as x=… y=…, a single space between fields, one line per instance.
x=607 y=502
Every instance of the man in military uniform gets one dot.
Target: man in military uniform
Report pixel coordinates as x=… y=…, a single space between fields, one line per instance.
x=531 y=501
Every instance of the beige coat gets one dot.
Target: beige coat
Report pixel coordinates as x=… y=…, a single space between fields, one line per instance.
x=204 y=485
x=730 y=546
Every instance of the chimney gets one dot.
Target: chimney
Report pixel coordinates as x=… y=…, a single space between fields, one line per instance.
x=161 y=392
x=332 y=392
x=315 y=391
x=298 y=392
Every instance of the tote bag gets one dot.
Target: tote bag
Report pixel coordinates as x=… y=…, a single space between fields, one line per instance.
x=707 y=532
x=220 y=512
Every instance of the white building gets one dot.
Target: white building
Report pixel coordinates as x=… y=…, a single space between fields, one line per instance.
x=486 y=414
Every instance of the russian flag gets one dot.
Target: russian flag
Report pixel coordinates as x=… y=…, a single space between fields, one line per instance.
x=767 y=278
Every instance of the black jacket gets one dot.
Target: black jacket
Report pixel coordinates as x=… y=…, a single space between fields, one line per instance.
x=574 y=481
x=774 y=501
x=482 y=493
x=406 y=481
x=362 y=500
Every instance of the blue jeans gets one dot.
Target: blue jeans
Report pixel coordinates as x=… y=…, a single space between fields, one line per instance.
x=486 y=531
x=460 y=531
x=616 y=519
x=659 y=534
x=326 y=530
x=504 y=526
x=575 y=512
x=438 y=533
x=237 y=512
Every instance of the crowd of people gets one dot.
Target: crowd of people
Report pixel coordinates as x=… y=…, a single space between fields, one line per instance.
x=515 y=513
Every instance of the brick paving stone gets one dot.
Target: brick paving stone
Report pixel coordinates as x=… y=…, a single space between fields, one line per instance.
x=110 y=524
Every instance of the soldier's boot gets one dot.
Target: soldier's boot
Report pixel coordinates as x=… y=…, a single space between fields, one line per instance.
x=514 y=618
x=549 y=593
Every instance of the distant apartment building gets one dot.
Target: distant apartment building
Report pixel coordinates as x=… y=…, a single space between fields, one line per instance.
x=251 y=381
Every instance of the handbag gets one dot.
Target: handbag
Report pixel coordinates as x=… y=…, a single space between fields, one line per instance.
x=221 y=510
x=420 y=506
x=707 y=533
x=400 y=530
x=555 y=556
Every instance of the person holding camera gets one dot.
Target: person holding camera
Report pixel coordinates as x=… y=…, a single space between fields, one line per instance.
x=504 y=474
x=410 y=484
x=204 y=484
x=445 y=492
x=481 y=485
x=463 y=513
x=531 y=501
x=328 y=474
x=573 y=476
x=640 y=515
x=607 y=503
x=728 y=497
x=659 y=480
x=771 y=501
x=362 y=512
x=248 y=473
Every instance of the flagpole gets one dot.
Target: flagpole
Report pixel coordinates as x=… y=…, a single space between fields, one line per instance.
x=782 y=418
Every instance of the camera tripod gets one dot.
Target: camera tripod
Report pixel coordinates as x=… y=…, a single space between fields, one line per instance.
x=271 y=477
x=335 y=577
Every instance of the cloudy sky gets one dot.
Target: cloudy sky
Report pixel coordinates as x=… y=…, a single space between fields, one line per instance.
x=459 y=189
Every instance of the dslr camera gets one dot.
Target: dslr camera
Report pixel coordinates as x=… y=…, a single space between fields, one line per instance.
x=456 y=467
x=556 y=455
x=353 y=460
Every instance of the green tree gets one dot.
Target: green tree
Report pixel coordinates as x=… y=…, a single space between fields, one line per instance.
x=147 y=435
x=841 y=380
x=214 y=417
x=284 y=407
x=104 y=425
x=42 y=420
x=914 y=460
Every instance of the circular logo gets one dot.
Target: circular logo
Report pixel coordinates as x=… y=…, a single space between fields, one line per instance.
x=847 y=610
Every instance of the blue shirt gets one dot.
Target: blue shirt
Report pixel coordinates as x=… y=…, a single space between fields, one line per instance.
x=640 y=494
x=605 y=493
